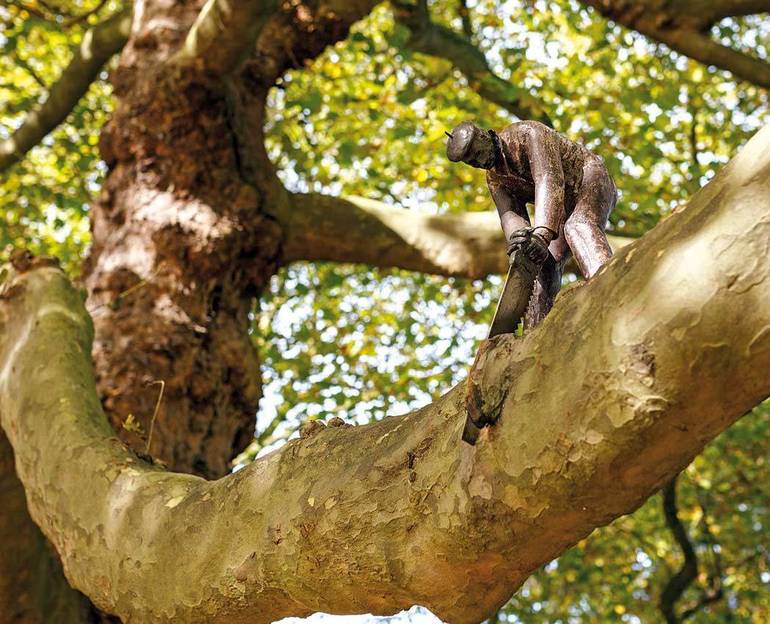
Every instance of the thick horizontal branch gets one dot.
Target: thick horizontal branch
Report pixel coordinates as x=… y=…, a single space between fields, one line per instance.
x=99 y=44
x=225 y=33
x=428 y=37
x=357 y=230
x=610 y=397
x=379 y=517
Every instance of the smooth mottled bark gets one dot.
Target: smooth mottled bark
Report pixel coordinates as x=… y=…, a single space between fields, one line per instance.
x=664 y=348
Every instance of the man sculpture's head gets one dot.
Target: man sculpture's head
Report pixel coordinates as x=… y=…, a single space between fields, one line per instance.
x=472 y=145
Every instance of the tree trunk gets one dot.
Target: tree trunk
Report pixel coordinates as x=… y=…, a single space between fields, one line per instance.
x=180 y=247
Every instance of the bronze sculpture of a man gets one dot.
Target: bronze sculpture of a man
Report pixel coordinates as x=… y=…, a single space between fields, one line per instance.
x=570 y=188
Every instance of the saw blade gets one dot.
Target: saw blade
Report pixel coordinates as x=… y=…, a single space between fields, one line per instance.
x=517 y=291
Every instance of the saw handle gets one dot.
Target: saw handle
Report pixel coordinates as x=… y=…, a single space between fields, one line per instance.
x=533 y=244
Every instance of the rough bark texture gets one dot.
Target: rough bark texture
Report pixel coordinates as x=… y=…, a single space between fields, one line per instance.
x=181 y=239
x=379 y=517
x=180 y=248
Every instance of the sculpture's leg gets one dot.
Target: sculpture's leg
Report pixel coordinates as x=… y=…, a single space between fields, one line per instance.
x=584 y=229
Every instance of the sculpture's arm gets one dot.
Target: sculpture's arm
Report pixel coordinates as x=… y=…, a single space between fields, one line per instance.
x=512 y=215
x=545 y=165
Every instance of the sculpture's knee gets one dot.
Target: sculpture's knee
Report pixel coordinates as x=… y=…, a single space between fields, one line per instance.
x=573 y=229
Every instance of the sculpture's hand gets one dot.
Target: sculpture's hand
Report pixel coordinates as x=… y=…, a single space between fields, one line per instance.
x=532 y=242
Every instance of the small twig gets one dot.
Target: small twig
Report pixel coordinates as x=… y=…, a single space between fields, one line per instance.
x=34 y=12
x=155 y=412
x=465 y=18
x=77 y=19
x=30 y=70
x=55 y=13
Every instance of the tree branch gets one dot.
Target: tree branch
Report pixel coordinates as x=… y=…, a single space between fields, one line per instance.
x=354 y=229
x=702 y=48
x=225 y=32
x=322 y=227
x=715 y=591
x=683 y=25
x=433 y=39
x=609 y=398
x=98 y=45
x=465 y=19
x=716 y=10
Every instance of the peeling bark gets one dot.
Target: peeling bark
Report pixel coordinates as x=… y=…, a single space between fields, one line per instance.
x=379 y=517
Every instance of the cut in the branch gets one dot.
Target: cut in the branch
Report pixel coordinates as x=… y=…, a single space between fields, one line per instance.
x=99 y=44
